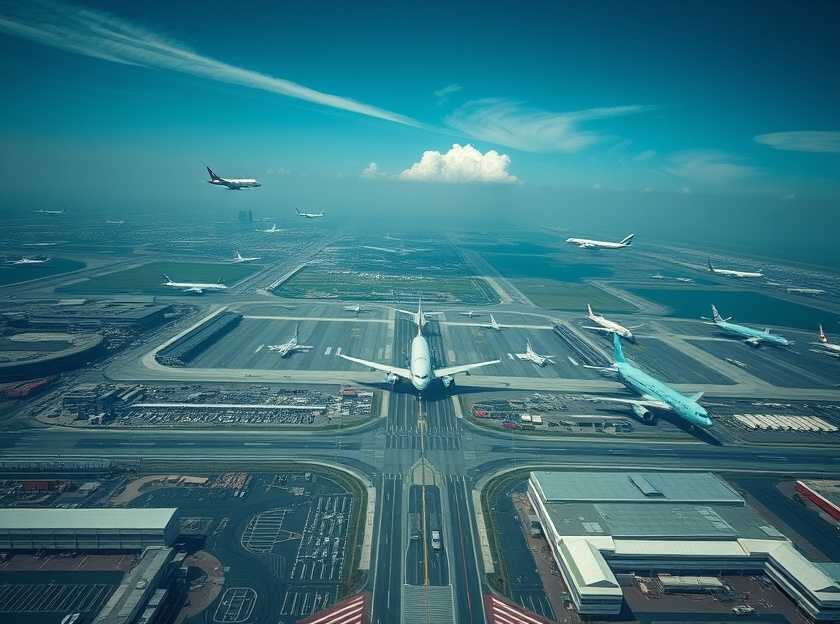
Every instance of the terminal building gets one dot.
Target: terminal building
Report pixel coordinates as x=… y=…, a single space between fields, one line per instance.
x=86 y=529
x=600 y=524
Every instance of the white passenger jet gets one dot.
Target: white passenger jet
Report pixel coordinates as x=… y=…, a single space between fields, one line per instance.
x=310 y=215
x=493 y=324
x=233 y=184
x=420 y=372
x=533 y=356
x=586 y=243
x=50 y=212
x=27 y=261
x=356 y=309
x=238 y=259
x=827 y=348
x=290 y=346
x=732 y=272
x=272 y=230
x=196 y=288
x=608 y=326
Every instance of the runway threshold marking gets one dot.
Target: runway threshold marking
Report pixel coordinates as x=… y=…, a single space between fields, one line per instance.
x=328 y=350
x=338 y=352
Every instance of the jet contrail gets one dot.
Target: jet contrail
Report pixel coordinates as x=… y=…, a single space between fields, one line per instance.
x=103 y=36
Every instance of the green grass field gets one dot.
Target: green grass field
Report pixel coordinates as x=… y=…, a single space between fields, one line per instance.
x=11 y=274
x=318 y=284
x=553 y=295
x=148 y=279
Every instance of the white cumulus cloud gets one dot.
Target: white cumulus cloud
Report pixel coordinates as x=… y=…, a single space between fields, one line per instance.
x=511 y=124
x=372 y=171
x=803 y=141
x=460 y=164
x=103 y=36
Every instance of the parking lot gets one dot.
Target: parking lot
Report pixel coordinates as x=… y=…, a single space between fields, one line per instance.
x=34 y=596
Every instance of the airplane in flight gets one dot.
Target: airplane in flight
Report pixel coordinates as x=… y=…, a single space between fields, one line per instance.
x=608 y=326
x=753 y=337
x=51 y=212
x=656 y=396
x=233 y=184
x=272 y=230
x=533 y=356
x=419 y=318
x=356 y=309
x=420 y=372
x=290 y=346
x=658 y=276
x=586 y=243
x=310 y=215
x=827 y=348
x=196 y=288
x=732 y=272
x=238 y=259
x=27 y=261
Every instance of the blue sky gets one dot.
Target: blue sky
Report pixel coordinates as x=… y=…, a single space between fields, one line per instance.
x=666 y=99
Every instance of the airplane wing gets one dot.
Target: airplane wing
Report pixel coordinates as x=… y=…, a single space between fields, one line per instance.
x=413 y=314
x=463 y=368
x=386 y=368
x=649 y=403
x=601 y=329
x=430 y=313
x=197 y=291
x=521 y=356
x=755 y=340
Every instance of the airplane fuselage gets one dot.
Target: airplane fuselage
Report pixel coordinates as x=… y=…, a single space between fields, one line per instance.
x=421 y=363
x=616 y=328
x=647 y=386
x=235 y=184
x=195 y=286
x=753 y=335
x=587 y=243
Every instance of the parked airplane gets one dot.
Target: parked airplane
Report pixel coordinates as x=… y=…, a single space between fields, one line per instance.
x=290 y=346
x=420 y=372
x=586 y=243
x=606 y=325
x=310 y=215
x=732 y=272
x=51 y=212
x=827 y=348
x=233 y=184
x=805 y=291
x=238 y=259
x=686 y=280
x=655 y=394
x=27 y=261
x=356 y=309
x=114 y=221
x=533 y=356
x=272 y=230
x=193 y=287
x=419 y=318
x=658 y=276
x=470 y=313
x=493 y=324
x=753 y=337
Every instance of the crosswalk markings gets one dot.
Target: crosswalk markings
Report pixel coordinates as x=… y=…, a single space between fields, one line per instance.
x=328 y=351
x=338 y=351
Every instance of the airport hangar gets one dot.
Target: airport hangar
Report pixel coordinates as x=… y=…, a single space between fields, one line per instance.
x=597 y=522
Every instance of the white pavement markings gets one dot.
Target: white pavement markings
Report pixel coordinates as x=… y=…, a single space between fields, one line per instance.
x=328 y=350
x=573 y=360
x=338 y=351
x=260 y=348
x=510 y=356
x=485 y=326
x=316 y=319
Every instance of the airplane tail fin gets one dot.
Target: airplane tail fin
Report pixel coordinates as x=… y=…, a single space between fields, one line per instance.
x=711 y=268
x=822 y=337
x=213 y=176
x=589 y=310
x=168 y=279
x=617 y=350
x=627 y=240
x=716 y=315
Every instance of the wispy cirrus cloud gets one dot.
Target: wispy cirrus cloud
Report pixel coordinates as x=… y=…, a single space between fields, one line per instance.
x=802 y=141
x=709 y=166
x=104 y=36
x=512 y=124
x=442 y=94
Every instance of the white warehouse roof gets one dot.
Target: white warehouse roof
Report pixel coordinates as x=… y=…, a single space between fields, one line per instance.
x=79 y=519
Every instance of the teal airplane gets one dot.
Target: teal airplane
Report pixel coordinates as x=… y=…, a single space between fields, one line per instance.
x=753 y=337
x=656 y=396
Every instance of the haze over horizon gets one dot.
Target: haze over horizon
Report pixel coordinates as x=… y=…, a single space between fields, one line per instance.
x=690 y=122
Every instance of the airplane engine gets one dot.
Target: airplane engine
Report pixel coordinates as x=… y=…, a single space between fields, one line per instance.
x=391 y=378
x=447 y=381
x=644 y=414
